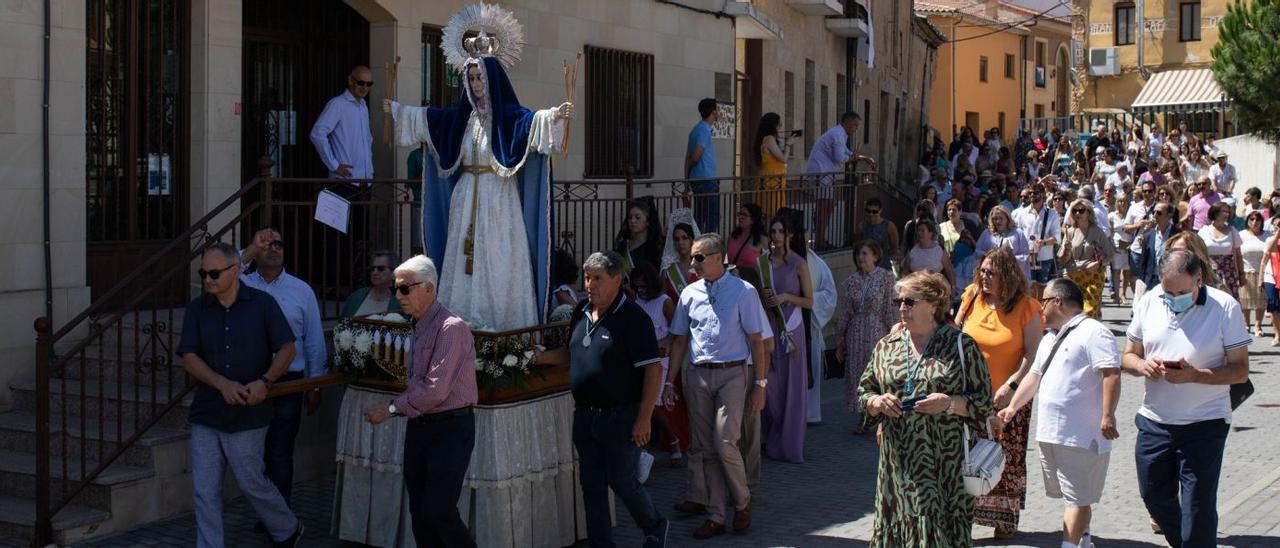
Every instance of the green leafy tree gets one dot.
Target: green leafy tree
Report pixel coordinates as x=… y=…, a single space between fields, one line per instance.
x=1246 y=63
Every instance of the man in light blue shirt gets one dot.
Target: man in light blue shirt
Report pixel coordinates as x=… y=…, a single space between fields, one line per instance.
x=341 y=134
x=298 y=302
x=719 y=320
x=831 y=153
x=700 y=163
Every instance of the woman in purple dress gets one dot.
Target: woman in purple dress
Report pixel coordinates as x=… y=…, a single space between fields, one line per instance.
x=788 y=289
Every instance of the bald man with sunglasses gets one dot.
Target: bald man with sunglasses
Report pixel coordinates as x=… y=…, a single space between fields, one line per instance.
x=341 y=134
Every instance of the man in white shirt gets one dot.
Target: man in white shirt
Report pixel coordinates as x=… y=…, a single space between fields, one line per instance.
x=1042 y=227
x=941 y=184
x=1076 y=384
x=1118 y=179
x=1190 y=343
x=1223 y=174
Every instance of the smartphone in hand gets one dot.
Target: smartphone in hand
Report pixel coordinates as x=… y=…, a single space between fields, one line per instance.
x=909 y=404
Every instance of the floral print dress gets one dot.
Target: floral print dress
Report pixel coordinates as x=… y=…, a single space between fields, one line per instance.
x=866 y=313
x=920 y=496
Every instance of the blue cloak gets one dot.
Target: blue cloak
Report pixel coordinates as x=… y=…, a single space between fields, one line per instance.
x=509 y=140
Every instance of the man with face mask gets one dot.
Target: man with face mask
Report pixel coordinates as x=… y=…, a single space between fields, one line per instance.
x=1190 y=343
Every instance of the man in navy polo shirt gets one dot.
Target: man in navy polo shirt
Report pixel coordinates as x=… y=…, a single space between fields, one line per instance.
x=616 y=372
x=235 y=342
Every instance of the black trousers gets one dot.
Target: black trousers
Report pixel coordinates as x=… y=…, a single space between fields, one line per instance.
x=281 y=434
x=436 y=456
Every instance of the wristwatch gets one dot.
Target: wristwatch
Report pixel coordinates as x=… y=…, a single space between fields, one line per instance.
x=391 y=408
x=762 y=383
x=265 y=381
x=1013 y=384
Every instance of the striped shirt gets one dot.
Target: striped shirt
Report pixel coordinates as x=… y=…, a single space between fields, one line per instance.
x=442 y=376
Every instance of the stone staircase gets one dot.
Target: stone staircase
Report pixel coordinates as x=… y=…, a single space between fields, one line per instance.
x=103 y=397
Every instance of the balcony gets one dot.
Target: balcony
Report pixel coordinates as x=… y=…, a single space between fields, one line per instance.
x=817 y=7
x=847 y=27
x=751 y=24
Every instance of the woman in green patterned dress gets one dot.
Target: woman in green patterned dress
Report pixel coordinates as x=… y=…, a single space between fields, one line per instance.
x=923 y=393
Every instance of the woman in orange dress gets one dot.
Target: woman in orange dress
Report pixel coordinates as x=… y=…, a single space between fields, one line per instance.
x=1005 y=322
x=772 y=157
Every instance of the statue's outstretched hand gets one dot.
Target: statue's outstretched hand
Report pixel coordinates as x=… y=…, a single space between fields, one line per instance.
x=565 y=111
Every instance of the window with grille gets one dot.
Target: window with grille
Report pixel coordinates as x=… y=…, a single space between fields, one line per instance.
x=1124 y=24
x=1189 y=21
x=982 y=69
x=618 y=113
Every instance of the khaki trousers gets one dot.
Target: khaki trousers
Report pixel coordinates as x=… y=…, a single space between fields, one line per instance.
x=716 y=399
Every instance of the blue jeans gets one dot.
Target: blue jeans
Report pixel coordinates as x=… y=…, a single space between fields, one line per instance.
x=706 y=206
x=280 y=437
x=1187 y=456
x=607 y=459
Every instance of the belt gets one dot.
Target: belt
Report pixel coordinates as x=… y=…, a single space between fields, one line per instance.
x=604 y=409
x=720 y=365
x=477 y=170
x=441 y=416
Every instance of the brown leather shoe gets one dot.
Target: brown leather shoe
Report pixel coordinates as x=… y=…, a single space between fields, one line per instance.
x=709 y=529
x=689 y=508
x=742 y=520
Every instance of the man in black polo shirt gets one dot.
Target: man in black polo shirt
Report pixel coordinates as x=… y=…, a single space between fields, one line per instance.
x=235 y=342
x=616 y=373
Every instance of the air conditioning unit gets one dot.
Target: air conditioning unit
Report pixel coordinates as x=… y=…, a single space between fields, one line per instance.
x=1104 y=61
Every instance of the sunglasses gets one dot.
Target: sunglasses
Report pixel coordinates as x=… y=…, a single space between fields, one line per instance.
x=1161 y=212
x=873 y=211
x=699 y=257
x=1078 y=211
x=1045 y=300
x=379 y=268
x=213 y=274
x=904 y=301
x=404 y=289
x=276 y=244
x=363 y=83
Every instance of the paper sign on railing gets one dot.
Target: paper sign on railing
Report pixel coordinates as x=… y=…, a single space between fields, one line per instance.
x=333 y=210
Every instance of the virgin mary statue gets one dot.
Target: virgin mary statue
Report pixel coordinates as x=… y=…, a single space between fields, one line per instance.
x=486 y=197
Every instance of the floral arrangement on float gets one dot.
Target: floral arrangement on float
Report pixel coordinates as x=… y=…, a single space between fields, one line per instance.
x=376 y=346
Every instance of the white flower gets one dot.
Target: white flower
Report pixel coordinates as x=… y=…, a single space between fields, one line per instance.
x=497 y=371
x=343 y=339
x=509 y=361
x=393 y=317
x=528 y=355
x=377 y=317
x=364 y=342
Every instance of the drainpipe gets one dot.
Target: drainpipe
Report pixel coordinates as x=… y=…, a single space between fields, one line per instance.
x=1022 y=82
x=44 y=167
x=1141 y=23
x=954 y=127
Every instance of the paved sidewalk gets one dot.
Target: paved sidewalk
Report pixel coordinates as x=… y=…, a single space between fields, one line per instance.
x=827 y=501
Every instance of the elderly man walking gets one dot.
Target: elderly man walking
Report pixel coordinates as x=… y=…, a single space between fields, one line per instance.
x=616 y=374
x=341 y=133
x=717 y=320
x=1076 y=384
x=442 y=390
x=235 y=343
x=298 y=302
x=1190 y=343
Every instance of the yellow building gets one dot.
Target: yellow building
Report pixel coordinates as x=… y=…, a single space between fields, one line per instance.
x=1164 y=69
x=1002 y=62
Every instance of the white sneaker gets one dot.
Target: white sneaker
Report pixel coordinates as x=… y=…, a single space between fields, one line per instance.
x=643 y=464
x=1086 y=540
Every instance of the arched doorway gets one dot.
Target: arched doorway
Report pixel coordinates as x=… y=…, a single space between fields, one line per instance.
x=1062 y=95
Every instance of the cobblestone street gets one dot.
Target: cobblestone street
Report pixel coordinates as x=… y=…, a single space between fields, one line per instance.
x=828 y=500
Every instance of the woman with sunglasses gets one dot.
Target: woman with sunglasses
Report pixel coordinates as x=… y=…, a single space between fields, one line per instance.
x=1222 y=241
x=788 y=292
x=924 y=384
x=1000 y=315
x=1085 y=254
x=377 y=297
x=1253 y=250
x=864 y=317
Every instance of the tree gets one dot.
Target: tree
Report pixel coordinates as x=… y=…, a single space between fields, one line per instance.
x=1246 y=63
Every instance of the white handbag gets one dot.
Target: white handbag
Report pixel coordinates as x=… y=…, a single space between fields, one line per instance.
x=984 y=461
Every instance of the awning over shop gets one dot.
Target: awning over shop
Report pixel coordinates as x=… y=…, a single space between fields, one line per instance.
x=1188 y=90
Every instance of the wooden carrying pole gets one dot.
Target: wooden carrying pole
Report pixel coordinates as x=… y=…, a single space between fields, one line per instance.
x=388 y=123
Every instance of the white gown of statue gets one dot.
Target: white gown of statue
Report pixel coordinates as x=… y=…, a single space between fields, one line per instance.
x=499 y=293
